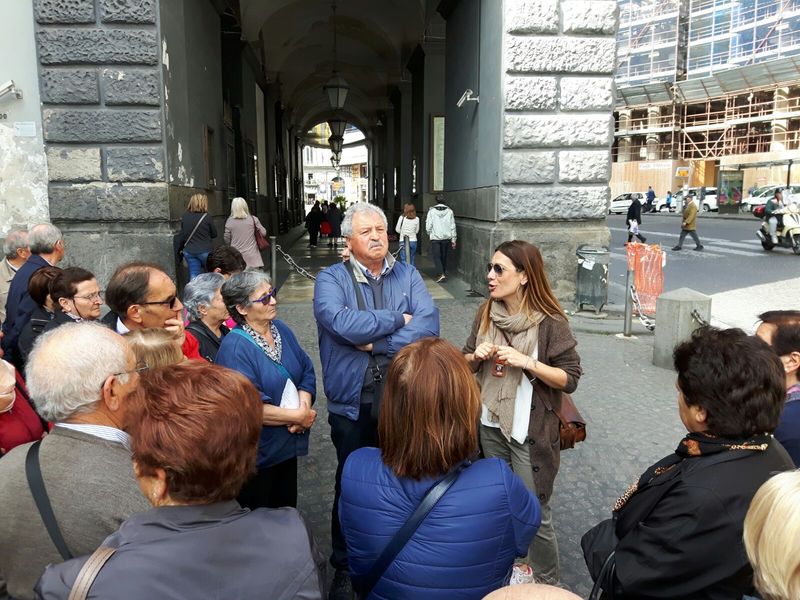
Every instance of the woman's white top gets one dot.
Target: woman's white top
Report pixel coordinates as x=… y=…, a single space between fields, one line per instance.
x=407 y=227
x=522 y=408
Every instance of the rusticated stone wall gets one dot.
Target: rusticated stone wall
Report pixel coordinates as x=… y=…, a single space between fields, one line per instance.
x=558 y=64
x=102 y=120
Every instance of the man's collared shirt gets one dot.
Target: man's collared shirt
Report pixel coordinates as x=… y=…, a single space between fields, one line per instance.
x=112 y=434
x=366 y=271
x=121 y=329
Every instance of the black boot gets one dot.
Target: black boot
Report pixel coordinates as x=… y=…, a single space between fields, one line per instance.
x=342 y=587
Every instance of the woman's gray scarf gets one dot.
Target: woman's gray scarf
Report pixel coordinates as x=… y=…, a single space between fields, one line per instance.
x=499 y=394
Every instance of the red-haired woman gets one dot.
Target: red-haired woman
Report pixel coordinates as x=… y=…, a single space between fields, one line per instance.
x=523 y=353
x=194 y=429
x=428 y=431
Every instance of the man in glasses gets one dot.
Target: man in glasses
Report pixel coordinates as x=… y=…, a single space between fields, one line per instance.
x=367 y=309
x=81 y=376
x=142 y=295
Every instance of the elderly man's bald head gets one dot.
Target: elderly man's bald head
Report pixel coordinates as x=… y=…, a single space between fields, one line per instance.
x=69 y=365
x=531 y=591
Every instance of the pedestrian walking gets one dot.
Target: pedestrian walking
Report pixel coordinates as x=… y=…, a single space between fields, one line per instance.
x=651 y=199
x=441 y=227
x=313 y=224
x=197 y=231
x=240 y=232
x=689 y=224
x=634 y=220
x=523 y=353
x=367 y=309
x=334 y=218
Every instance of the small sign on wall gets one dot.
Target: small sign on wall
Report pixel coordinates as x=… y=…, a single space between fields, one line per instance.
x=24 y=128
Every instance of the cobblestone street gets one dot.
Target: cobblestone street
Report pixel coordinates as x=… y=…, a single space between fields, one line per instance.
x=630 y=407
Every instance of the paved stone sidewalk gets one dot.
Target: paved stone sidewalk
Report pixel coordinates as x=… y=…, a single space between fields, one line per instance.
x=632 y=419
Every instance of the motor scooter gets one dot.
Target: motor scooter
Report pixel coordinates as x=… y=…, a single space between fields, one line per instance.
x=788 y=233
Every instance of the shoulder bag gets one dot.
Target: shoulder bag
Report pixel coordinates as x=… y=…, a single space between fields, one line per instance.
x=375 y=369
x=33 y=472
x=261 y=241
x=572 y=428
x=182 y=244
x=404 y=534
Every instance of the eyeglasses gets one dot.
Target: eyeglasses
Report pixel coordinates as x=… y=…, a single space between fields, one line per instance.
x=96 y=297
x=140 y=366
x=498 y=268
x=171 y=301
x=267 y=297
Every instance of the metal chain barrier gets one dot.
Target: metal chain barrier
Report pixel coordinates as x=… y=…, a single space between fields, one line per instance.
x=698 y=317
x=293 y=265
x=301 y=271
x=649 y=323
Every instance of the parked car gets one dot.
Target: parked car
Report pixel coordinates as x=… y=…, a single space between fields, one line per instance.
x=620 y=204
x=706 y=199
x=761 y=195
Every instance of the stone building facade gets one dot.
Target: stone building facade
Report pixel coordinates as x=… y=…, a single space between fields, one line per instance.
x=144 y=102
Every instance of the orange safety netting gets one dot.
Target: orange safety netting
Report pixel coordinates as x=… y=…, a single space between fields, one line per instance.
x=647 y=263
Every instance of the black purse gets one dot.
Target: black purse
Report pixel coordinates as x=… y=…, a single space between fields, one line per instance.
x=598 y=545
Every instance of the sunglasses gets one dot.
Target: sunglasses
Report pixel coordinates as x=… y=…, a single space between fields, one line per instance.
x=173 y=302
x=267 y=297
x=498 y=268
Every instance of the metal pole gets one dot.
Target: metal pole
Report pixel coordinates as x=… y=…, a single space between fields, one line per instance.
x=627 y=323
x=407 y=245
x=273 y=259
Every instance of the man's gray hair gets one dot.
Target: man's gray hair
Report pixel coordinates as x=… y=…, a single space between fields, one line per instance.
x=238 y=288
x=360 y=208
x=15 y=240
x=200 y=291
x=42 y=238
x=69 y=365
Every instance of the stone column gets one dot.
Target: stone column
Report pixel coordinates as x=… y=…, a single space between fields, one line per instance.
x=653 y=140
x=99 y=69
x=558 y=62
x=780 y=126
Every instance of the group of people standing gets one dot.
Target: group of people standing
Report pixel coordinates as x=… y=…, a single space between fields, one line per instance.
x=324 y=218
x=172 y=472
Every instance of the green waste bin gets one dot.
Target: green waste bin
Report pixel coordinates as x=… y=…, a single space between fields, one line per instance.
x=592 y=280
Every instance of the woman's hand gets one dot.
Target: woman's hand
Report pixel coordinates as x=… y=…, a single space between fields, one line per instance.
x=514 y=357
x=305 y=419
x=484 y=351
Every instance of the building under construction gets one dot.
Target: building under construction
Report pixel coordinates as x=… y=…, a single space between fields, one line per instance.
x=708 y=90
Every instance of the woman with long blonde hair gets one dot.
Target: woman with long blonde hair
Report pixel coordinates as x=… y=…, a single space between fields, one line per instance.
x=523 y=354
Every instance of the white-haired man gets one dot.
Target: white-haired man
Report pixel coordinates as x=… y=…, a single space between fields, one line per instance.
x=79 y=377
x=367 y=309
x=47 y=248
x=15 y=253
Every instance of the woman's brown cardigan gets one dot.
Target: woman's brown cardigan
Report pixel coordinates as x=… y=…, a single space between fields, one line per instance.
x=556 y=349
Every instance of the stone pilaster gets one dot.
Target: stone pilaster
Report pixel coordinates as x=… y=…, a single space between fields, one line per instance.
x=653 y=140
x=780 y=126
x=103 y=123
x=558 y=64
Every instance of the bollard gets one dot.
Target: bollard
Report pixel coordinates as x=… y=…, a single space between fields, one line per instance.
x=627 y=325
x=273 y=259
x=407 y=245
x=676 y=321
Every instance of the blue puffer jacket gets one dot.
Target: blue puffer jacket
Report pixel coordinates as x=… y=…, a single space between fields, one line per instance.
x=464 y=548
x=342 y=327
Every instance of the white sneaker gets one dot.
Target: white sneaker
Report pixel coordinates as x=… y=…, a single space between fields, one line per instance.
x=774 y=239
x=521 y=573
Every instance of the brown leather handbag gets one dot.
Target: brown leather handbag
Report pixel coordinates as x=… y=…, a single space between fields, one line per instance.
x=573 y=426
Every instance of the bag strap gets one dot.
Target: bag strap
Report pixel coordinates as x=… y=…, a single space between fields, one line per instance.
x=89 y=571
x=191 y=235
x=33 y=472
x=404 y=534
x=255 y=228
x=604 y=586
x=278 y=365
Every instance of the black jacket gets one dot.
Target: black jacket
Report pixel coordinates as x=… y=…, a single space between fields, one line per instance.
x=200 y=242
x=634 y=212
x=689 y=545
x=209 y=343
x=30 y=333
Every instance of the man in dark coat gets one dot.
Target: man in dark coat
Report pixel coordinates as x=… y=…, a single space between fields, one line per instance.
x=47 y=248
x=635 y=213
